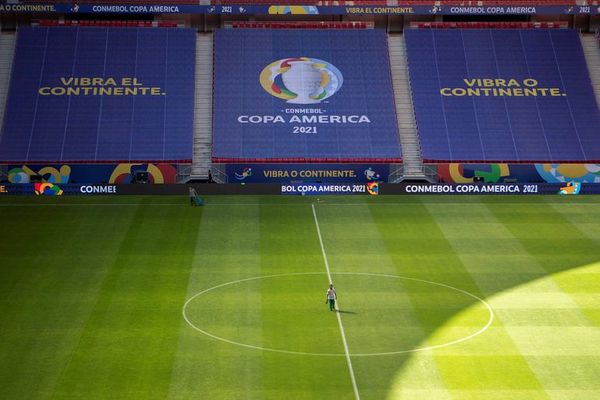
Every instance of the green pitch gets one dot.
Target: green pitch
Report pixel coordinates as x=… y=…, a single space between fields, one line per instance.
x=440 y=298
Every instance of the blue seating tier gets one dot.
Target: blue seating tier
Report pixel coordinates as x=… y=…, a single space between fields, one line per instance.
x=100 y=95
x=303 y=95
x=534 y=100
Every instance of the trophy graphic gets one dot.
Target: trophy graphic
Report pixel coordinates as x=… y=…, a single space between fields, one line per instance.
x=301 y=80
x=304 y=80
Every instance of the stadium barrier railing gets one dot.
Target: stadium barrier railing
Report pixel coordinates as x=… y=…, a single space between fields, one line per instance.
x=218 y=173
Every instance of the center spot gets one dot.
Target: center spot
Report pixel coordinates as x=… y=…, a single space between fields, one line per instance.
x=381 y=314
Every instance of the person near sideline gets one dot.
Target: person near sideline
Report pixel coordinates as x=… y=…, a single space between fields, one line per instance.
x=331 y=297
x=193 y=195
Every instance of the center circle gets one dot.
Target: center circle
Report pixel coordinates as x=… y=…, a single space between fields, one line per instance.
x=389 y=311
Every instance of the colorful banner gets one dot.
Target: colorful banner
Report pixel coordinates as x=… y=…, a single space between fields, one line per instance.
x=306 y=173
x=54 y=189
x=315 y=189
x=530 y=173
x=46 y=189
x=301 y=10
x=569 y=188
x=93 y=174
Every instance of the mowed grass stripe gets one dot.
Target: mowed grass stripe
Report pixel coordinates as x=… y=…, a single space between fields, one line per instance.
x=53 y=265
x=430 y=257
x=287 y=312
x=534 y=340
x=128 y=343
x=385 y=318
x=419 y=248
x=469 y=235
x=581 y=215
x=573 y=250
x=335 y=305
x=506 y=261
x=294 y=310
x=560 y=246
x=227 y=249
x=587 y=296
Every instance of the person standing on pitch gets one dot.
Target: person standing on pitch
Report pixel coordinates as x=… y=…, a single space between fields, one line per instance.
x=331 y=297
x=193 y=195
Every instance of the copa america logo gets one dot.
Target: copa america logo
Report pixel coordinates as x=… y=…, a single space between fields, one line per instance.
x=301 y=80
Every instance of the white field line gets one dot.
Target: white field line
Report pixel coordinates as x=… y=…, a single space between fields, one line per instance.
x=302 y=353
x=338 y=315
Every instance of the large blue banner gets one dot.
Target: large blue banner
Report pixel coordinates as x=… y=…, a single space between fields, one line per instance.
x=100 y=94
x=317 y=96
x=306 y=173
x=503 y=96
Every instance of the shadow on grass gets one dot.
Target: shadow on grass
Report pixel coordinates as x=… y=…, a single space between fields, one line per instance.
x=528 y=224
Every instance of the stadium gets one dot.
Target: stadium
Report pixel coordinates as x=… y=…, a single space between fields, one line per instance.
x=239 y=199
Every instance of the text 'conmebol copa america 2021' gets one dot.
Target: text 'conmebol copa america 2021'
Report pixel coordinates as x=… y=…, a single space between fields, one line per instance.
x=302 y=81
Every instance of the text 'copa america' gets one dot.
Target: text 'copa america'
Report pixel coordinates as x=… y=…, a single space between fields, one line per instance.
x=304 y=119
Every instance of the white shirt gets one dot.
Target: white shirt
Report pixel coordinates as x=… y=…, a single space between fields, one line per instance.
x=331 y=295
